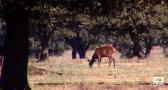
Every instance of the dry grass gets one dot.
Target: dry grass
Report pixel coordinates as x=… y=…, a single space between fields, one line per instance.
x=62 y=73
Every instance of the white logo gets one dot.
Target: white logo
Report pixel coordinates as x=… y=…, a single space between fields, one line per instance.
x=158 y=81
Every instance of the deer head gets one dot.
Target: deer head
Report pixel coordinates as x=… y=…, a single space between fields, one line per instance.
x=91 y=61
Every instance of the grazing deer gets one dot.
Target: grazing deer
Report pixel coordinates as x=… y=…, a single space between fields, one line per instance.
x=101 y=52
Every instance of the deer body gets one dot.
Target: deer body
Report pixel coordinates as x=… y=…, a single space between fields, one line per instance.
x=101 y=52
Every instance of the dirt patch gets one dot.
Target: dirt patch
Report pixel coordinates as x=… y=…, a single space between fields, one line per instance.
x=36 y=71
x=49 y=84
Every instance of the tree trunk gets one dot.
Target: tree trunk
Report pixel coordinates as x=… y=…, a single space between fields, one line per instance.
x=82 y=50
x=44 y=54
x=14 y=70
x=74 y=52
x=74 y=44
x=78 y=46
x=149 y=45
x=165 y=46
x=165 y=50
x=136 y=47
x=82 y=53
x=136 y=50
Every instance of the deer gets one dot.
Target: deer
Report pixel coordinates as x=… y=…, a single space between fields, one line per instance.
x=105 y=51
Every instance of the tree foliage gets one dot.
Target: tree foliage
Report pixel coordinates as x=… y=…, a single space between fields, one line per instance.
x=138 y=24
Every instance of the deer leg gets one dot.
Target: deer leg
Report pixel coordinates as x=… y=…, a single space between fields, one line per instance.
x=113 y=61
x=99 y=60
x=110 y=60
x=98 y=63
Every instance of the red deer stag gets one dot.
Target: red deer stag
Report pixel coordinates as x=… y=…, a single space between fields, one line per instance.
x=101 y=52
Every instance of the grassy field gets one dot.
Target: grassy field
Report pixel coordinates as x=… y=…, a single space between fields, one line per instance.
x=63 y=73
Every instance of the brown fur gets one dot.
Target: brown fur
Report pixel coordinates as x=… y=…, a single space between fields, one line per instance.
x=101 y=52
